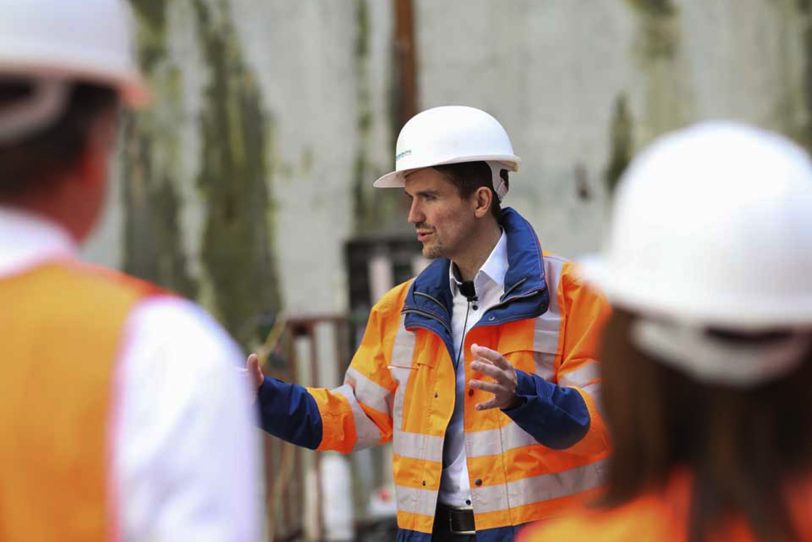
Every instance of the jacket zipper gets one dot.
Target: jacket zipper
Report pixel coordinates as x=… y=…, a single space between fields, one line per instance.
x=516 y=286
x=511 y=299
x=448 y=328
x=433 y=299
x=428 y=315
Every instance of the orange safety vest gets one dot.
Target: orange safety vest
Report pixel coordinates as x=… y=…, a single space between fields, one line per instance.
x=61 y=326
x=658 y=517
x=401 y=387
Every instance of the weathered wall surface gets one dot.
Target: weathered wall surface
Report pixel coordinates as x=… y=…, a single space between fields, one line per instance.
x=272 y=118
x=580 y=83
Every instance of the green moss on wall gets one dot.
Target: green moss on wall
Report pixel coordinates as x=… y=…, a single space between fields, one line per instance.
x=153 y=247
x=660 y=35
x=237 y=248
x=621 y=143
x=152 y=21
x=656 y=8
x=375 y=210
x=151 y=13
x=807 y=80
x=794 y=123
x=239 y=277
x=362 y=33
x=668 y=100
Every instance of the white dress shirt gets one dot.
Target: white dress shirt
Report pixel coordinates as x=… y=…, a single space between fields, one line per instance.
x=186 y=463
x=489 y=285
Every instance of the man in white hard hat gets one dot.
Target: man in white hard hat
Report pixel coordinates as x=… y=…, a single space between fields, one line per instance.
x=707 y=357
x=108 y=432
x=482 y=369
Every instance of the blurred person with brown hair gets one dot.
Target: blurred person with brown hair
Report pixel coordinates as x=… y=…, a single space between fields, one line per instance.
x=108 y=431
x=707 y=359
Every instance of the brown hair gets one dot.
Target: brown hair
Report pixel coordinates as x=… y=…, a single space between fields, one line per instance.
x=468 y=176
x=30 y=163
x=742 y=445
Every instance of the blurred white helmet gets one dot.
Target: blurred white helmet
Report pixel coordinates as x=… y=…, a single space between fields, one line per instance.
x=712 y=228
x=54 y=43
x=451 y=135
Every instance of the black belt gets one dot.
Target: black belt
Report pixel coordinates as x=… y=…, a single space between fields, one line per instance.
x=449 y=519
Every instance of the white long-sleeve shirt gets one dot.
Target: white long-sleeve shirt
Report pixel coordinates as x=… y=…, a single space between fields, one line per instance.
x=186 y=463
x=489 y=285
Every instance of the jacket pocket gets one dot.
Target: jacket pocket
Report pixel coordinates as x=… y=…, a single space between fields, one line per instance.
x=540 y=359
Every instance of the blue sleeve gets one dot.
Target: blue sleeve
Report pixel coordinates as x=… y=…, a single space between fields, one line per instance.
x=555 y=416
x=288 y=412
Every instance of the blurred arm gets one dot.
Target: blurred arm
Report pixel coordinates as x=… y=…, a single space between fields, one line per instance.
x=186 y=454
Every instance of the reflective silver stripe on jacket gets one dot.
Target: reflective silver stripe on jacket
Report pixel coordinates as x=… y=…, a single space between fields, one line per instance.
x=539 y=488
x=401 y=369
x=368 y=392
x=547 y=327
x=497 y=441
x=588 y=373
x=366 y=431
x=418 y=446
x=416 y=501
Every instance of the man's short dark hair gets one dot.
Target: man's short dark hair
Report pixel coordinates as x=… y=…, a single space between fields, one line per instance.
x=468 y=176
x=32 y=162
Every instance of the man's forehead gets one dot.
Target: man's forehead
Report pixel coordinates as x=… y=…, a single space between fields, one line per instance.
x=426 y=179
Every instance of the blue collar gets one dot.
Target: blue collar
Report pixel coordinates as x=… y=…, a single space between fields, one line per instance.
x=429 y=302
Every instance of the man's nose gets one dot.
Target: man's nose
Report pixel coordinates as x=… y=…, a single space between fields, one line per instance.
x=415 y=214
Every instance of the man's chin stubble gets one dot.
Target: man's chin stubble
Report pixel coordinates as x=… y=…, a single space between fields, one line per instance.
x=432 y=252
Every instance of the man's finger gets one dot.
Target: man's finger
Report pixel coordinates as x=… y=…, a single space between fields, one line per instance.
x=490 y=355
x=503 y=363
x=486 y=405
x=252 y=365
x=486 y=368
x=492 y=371
x=485 y=353
x=486 y=386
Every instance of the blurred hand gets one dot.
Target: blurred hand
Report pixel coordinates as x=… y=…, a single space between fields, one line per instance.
x=495 y=365
x=254 y=370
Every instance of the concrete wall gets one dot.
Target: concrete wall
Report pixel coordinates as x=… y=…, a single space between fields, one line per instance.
x=577 y=82
x=273 y=117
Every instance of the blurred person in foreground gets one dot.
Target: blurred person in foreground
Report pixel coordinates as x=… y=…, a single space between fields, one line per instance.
x=708 y=355
x=482 y=369
x=108 y=431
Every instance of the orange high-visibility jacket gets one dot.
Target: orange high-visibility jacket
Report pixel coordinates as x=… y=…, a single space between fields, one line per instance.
x=62 y=327
x=662 y=516
x=524 y=464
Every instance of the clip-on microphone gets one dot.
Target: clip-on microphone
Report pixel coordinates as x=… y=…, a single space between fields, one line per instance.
x=467 y=289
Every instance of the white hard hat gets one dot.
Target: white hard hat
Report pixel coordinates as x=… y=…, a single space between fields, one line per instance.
x=57 y=42
x=712 y=228
x=451 y=134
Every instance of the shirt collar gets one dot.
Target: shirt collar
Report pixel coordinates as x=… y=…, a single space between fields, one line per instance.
x=492 y=272
x=28 y=239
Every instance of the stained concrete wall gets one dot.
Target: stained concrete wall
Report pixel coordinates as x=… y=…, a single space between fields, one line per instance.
x=272 y=118
x=579 y=83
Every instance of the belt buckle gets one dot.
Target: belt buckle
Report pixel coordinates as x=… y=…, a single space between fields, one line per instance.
x=451 y=511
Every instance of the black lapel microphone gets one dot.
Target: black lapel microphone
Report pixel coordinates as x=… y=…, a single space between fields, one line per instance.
x=467 y=289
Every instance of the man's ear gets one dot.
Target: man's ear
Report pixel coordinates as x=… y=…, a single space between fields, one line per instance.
x=92 y=165
x=483 y=199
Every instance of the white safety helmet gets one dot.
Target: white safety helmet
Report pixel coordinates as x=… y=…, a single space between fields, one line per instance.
x=712 y=228
x=452 y=134
x=58 y=42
